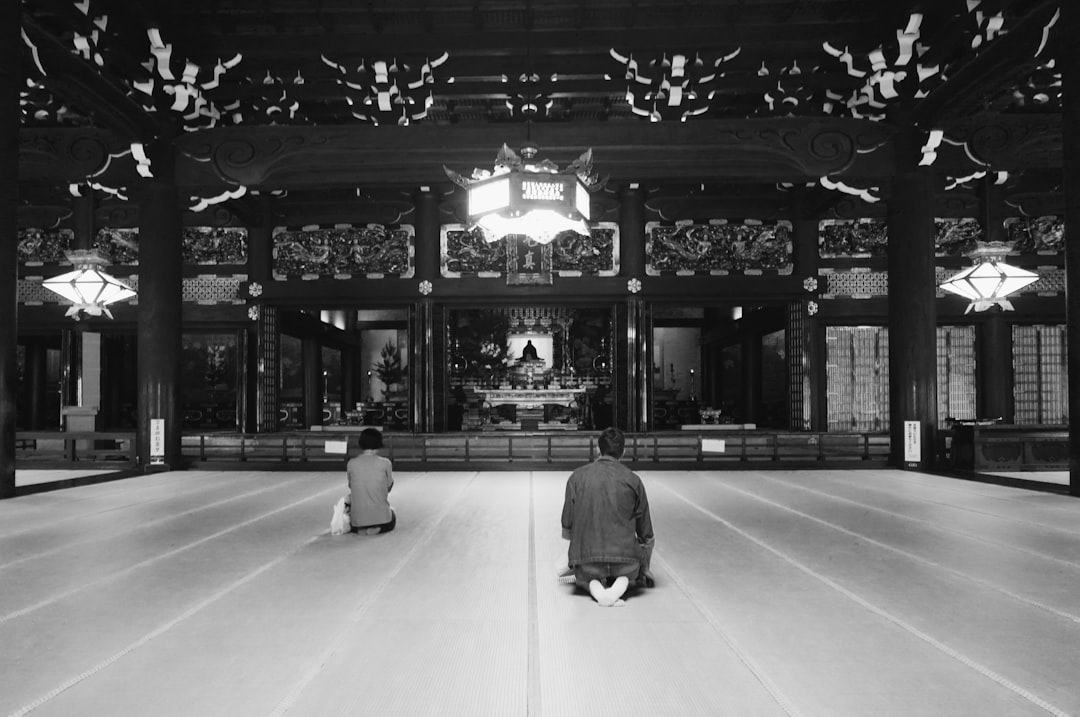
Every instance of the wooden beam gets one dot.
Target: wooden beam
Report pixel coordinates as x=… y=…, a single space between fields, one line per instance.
x=205 y=44
x=1004 y=61
x=76 y=81
x=765 y=149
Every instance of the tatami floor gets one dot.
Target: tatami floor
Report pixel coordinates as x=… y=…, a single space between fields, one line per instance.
x=778 y=593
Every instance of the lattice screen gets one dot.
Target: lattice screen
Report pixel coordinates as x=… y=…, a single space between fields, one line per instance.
x=857 y=370
x=198 y=290
x=267 y=416
x=1040 y=375
x=798 y=381
x=857 y=283
x=956 y=373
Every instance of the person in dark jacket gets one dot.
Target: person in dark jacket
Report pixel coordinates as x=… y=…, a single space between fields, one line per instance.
x=606 y=517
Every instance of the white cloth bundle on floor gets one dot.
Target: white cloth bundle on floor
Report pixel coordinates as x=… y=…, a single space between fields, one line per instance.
x=339 y=523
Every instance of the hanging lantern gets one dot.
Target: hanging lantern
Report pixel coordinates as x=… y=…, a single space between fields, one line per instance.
x=990 y=280
x=88 y=288
x=529 y=197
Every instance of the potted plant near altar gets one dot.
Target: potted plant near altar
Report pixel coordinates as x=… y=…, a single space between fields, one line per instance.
x=494 y=361
x=389 y=370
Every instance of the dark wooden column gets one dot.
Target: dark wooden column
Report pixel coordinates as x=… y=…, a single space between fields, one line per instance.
x=428 y=350
x=82 y=351
x=806 y=354
x=422 y=369
x=313 y=381
x=993 y=365
x=350 y=366
x=427 y=234
x=11 y=48
x=260 y=410
x=912 y=311
x=751 y=378
x=83 y=223
x=632 y=232
x=160 y=308
x=36 y=385
x=1070 y=68
x=630 y=392
x=993 y=337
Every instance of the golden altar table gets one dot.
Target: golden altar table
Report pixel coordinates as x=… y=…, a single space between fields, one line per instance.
x=532 y=405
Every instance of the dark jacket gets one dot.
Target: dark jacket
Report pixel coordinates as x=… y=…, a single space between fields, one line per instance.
x=606 y=513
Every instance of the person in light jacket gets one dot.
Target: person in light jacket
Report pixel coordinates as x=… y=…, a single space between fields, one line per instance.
x=371 y=478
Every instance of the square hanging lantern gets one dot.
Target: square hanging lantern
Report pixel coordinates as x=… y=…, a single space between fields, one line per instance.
x=88 y=288
x=990 y=280
x=529 y=198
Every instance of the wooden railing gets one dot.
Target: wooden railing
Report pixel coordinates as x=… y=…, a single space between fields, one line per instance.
x=532 y=450
x=1006 y=447
x=449 y=451
x=48 y=449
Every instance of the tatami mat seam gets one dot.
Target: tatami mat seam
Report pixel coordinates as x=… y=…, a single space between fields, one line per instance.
x=934 y=525
x=740 y=652
x=150 y=561
x=912 y=556
x=997 y=516
x=83 y=541
x=1020 y=691
x=294 y=692
x=534 y=706
x=162 y=629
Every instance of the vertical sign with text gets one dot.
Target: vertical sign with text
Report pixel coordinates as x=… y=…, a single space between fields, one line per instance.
x=912 y=442
x=157 y=441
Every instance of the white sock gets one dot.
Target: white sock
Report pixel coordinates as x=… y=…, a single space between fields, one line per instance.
x=596 y=589
x=617 y=589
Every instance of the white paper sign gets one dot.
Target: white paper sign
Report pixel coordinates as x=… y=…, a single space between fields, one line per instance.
x=912 y=442
x=157 y=441
x=713 y=445
x=336 y=447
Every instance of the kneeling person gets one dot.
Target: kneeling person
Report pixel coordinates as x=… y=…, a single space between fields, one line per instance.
x=606 y=517
x=371 y=478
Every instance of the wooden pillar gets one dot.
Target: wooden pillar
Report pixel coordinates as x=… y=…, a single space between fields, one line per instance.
x=37 y=382
x=993 y=336
x=70 y=369
x=806 y=354
x=84 y=347
x=629 y=344
x=422 y=366
x=632 y=232
x=751 y=378
x=641 y=391
x=83 y=222
x=11 y=48
x=159 y=314
x=350 y=366
x=912 y=309
x=428 y=362
x=427 y=234
x=260 y=412
x=1070 y=70
x=993 y=366
x=311 y=349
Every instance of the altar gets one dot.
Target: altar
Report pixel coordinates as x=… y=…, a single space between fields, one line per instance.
x=532 y=409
